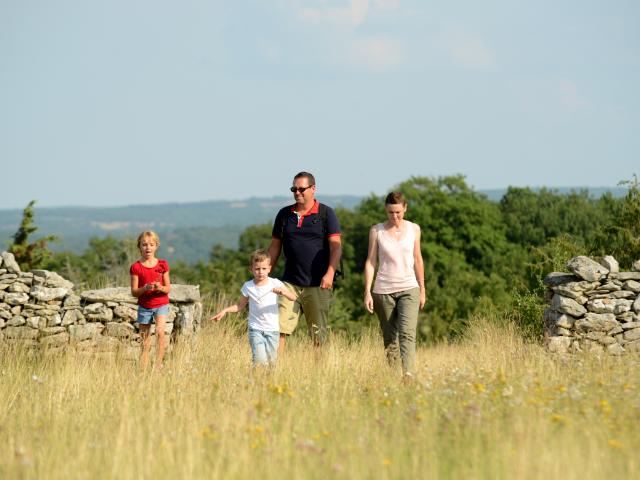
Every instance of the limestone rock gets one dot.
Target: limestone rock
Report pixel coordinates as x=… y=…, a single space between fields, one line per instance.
x=623 y=294
x=632 y=346
x=9 y=262
x=72 y=317
x=55 y=340
x=565 y=321
x=615 y=349
x=46 y=294
x=559 y=344
x=636 y=266
x=90 y=331
x=586 y=268
x=575 y=289
x=18 y=287
x=610 y=264
x=596 y=322
x=16 y=298
x=23 y=333
x=16 y=321
x=633 y=334
x=624 y=276
x=632 y=286
x=604 y=305
x=51 y=331
x=72 y=301
x=126 y=312
x=567 y=305
x=636 y=305
x=116 y=294
x=184 y=293
x=53 y=280
x=119 y=330
x=630 y=325
x=98 y=312
x=622 y=306
x=555 y=279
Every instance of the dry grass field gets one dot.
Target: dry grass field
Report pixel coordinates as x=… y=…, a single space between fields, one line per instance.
x=489 y=406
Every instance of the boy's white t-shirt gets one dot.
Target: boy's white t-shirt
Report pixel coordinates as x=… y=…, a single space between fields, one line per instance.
x=263 y=305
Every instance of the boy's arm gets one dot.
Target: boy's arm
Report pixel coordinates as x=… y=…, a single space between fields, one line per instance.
x=231 y=309
x=285 y=292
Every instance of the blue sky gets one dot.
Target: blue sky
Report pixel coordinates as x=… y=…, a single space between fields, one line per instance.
x=139 y=101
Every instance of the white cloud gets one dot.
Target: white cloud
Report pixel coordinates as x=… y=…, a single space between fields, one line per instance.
x=569 y=96
x=377 y=53
x=353 y=13
x=466 y=49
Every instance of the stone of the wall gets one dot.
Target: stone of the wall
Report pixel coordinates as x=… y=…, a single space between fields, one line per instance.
x=39 y=309
x=595 y=308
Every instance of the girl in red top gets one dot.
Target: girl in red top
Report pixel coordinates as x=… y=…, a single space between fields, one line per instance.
x=150 y=284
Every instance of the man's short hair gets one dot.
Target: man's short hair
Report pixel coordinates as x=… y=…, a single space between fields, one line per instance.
x=307 y=175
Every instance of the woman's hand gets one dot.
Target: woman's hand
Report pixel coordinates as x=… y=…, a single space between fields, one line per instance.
x=423 y=298
x=368 y=302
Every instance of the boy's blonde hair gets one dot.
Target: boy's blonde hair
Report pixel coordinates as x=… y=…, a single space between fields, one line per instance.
x=149 y=233
x=259 y=255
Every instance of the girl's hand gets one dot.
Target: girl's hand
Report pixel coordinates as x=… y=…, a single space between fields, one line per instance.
x=368 y=302
x=278 y=291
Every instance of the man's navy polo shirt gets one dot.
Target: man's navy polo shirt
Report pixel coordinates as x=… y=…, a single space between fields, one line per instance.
x=305 y=244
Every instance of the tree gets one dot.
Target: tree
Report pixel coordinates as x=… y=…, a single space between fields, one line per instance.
x=30 y=255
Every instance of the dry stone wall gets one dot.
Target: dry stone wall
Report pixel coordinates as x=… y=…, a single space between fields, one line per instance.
x=39 y=310
x=594 y=307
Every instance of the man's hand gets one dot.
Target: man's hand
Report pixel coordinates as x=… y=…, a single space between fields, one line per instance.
x=327 y=281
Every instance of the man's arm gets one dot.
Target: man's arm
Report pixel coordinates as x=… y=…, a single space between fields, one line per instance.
x=274 y=251
x=335 y=252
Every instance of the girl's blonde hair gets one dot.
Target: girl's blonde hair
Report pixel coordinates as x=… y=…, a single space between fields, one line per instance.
x=149 y=233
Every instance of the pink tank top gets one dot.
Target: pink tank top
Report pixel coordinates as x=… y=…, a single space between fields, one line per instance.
x=395 y=260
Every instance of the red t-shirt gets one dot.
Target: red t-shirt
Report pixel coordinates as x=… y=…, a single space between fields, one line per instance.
x=152 y=298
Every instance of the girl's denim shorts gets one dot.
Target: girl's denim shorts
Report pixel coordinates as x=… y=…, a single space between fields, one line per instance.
x=148 y=315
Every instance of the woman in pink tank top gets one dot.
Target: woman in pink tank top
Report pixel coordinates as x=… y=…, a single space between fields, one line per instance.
x=398 y=292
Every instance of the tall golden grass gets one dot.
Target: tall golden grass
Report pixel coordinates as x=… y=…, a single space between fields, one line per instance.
x=488 y=406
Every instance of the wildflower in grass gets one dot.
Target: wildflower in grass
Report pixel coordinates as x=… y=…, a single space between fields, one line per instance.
x=209 y=433
x=386 y=462
x=561 y=388
x=605 y=407
x=479 y=387
x=559 y=419
x=282 y=389
x=615 y=443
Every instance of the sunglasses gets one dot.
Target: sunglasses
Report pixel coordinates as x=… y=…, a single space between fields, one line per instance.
x=299 y=189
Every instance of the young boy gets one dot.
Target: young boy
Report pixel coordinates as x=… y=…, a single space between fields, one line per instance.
x=261 y=294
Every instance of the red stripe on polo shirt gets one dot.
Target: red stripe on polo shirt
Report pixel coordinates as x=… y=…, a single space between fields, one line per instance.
x=312 y=211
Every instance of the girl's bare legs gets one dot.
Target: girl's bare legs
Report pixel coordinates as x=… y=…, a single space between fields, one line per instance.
x=161 y=321
x=145 y=333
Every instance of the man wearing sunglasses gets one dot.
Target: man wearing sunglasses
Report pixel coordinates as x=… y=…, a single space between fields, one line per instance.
x=308 y=233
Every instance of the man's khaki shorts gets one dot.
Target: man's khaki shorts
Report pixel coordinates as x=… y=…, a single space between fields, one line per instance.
x=314 y=302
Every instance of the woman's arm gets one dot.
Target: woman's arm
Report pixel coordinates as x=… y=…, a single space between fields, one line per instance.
x=369 y=268
x=418 y=266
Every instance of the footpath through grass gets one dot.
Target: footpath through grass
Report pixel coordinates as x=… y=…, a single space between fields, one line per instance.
x=491 y=406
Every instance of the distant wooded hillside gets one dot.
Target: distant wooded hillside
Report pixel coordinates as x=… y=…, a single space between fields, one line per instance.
x=188 y=230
